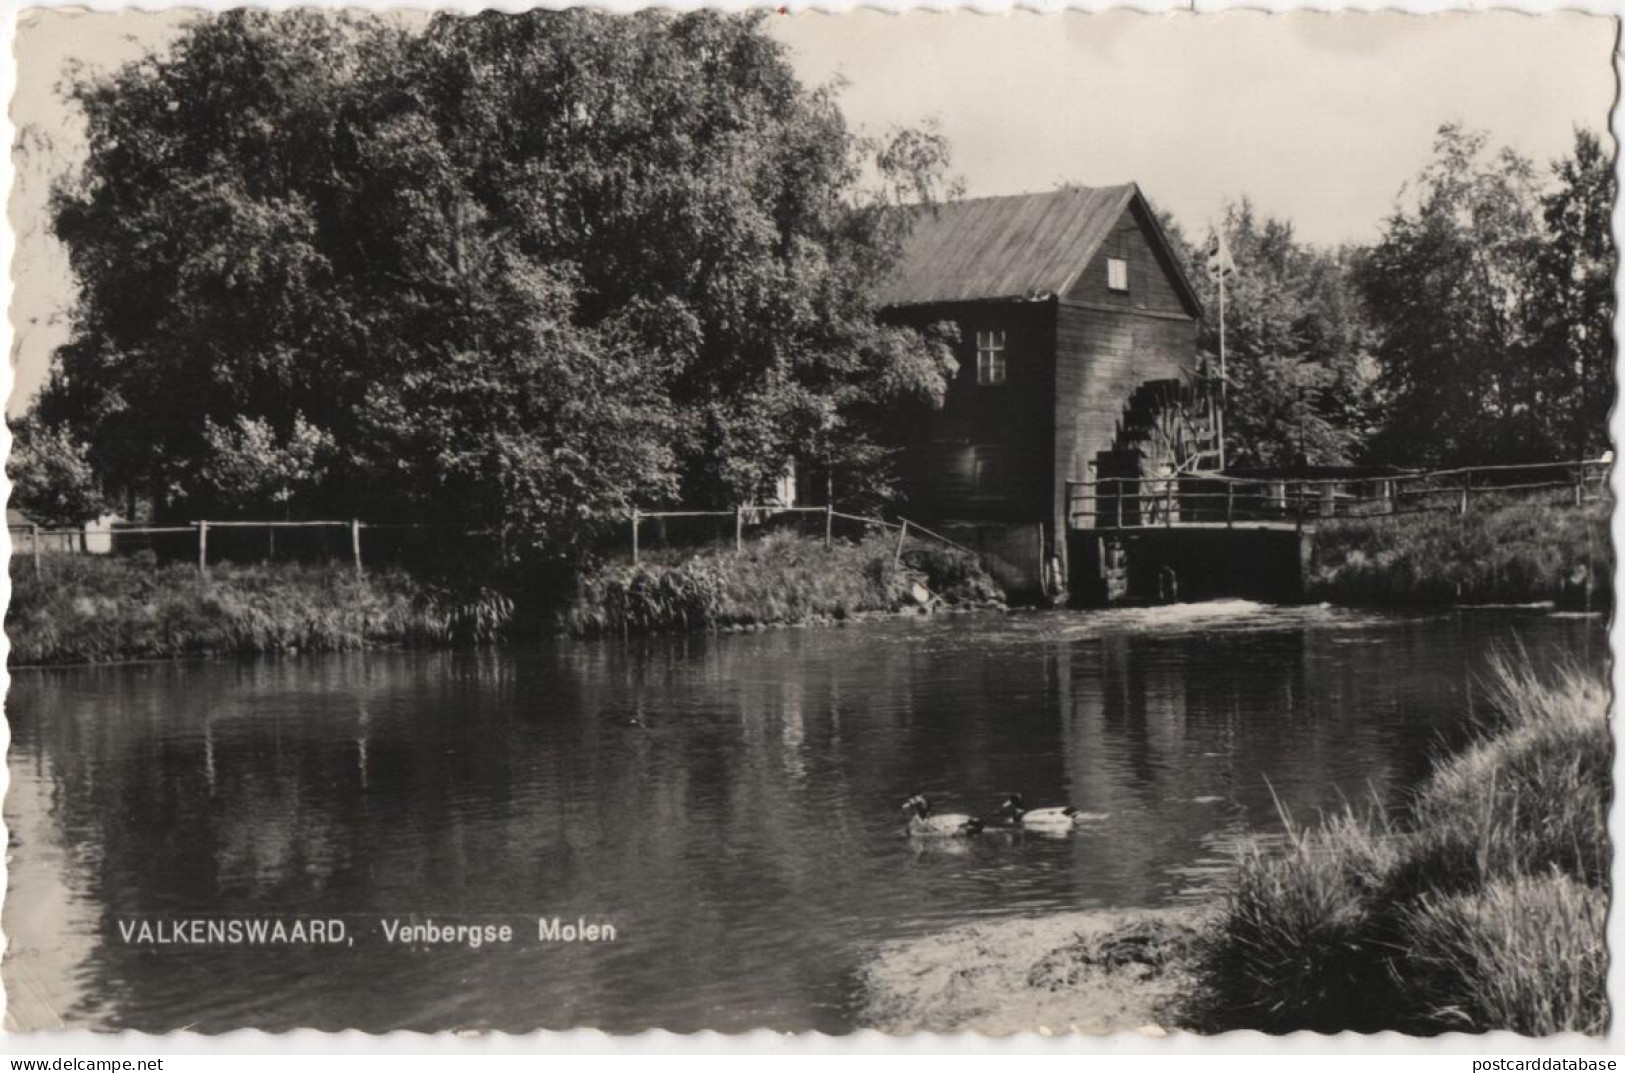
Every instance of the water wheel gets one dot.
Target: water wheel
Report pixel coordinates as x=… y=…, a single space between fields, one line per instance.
x=1169 y=430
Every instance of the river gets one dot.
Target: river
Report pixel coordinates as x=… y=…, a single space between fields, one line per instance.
x=729 y=804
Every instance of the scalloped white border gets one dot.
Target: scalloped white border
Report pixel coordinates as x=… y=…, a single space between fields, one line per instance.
x=1224 y=1049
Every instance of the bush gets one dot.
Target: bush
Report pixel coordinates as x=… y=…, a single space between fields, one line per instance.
x=88 y=608
x=1510 y=552
x=781 y=579
x=1483 y=910
x=955 y=576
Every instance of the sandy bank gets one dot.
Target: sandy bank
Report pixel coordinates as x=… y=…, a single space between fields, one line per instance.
x=1098 y=972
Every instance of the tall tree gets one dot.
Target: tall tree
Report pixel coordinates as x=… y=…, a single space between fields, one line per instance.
x=517 y=270
x=1572 y=315
x=1450 y=287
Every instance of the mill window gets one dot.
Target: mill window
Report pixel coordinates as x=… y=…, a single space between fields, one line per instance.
x=1116 y=274
x=990 y=358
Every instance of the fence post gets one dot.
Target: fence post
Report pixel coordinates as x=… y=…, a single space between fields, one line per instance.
x=829 y=525
x=1229 y=505
x=739 y=529
x=902 y=535
x=1466 y=489
x=203 y=548
x=634 y=536
x=33 y=538
x=1167 y=502
x=355 y=544
x=1579 y=484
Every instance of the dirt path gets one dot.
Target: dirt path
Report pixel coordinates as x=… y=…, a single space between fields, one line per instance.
x=1095 y=972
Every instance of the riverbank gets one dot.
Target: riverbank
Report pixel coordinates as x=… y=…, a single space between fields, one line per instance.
x=96 y=609
x=1481 y=908
x=1498 y=552
x=780 y=580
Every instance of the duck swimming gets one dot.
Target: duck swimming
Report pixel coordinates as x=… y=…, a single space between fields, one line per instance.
x=922 y=824
x=1057 y=818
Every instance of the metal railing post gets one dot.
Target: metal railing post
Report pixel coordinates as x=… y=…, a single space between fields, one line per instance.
x=203 y=548
x=355 y=545
x=739 y=529
x=634 y=536
x=1229 y=505
x=902 y=535
x=33 y=537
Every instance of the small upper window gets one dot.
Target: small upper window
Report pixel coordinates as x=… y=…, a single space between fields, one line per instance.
x=990 y=358
x=1116 y=274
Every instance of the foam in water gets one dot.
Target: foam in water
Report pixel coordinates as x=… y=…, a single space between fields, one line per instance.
x=1205 y=616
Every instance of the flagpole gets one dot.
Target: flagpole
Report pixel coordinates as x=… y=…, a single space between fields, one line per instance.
x=1224 y=376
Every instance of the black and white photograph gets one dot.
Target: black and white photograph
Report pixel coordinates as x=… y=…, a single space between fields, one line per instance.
x=1076 y=523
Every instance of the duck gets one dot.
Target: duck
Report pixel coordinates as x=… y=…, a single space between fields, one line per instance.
x=922 y=824
x=1059 y=817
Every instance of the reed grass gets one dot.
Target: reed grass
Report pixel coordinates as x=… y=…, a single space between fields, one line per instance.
x=782 y=579
x=87 y=609
x=1500 y=551
x=1480 y=907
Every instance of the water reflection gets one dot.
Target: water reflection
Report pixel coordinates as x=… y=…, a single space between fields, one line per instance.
x=728 y=802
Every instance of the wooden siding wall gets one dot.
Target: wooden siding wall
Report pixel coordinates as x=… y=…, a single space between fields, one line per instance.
x=1108 y=343
x=1151 y=286
x=1006 y=428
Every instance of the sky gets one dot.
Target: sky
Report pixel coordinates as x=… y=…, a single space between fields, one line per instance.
x=1318 y=118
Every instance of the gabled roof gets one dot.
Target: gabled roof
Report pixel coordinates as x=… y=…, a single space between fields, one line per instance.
x=1021 y=246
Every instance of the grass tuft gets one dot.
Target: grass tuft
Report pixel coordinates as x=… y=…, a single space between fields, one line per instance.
x=1523 y=954
x=1482 y=909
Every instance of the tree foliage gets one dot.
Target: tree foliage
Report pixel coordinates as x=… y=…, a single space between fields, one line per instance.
x=52 y=479
x=1297 y=345
x=1450 y=284
x=512 y=270
x=1571 y=320
x=1477 y=329
x=247 y=467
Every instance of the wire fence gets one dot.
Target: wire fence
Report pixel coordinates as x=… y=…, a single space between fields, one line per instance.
x=648 y=536
x=359 y=545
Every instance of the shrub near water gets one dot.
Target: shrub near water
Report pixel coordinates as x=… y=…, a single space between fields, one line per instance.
x=1497 y=552
x=1483 y=910
x=779 y=580
x=94 y=608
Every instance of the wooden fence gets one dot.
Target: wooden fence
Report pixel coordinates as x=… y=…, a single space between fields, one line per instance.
x=1212 y=499
x=32 y=540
